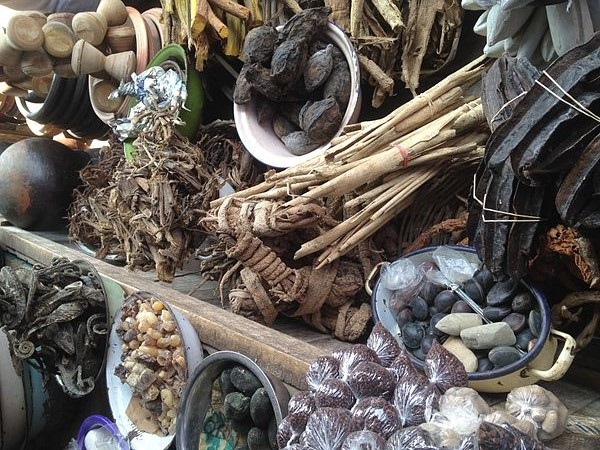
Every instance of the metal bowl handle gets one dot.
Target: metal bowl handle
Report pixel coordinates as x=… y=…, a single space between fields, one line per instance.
x=372 y=274
x=562 y=363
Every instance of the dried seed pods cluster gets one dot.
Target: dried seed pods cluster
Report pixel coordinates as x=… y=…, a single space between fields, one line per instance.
x=301 y=84
x=153 y=360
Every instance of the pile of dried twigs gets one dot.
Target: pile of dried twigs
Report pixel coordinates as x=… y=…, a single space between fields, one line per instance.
x=340 y=199
x=147 y=210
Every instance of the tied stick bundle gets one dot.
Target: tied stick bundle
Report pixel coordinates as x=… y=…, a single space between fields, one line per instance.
x=380 y=165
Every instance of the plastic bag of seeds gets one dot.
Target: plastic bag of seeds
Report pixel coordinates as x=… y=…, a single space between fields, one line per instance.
x=505 y=437
x=377 y=415
x=411 y=438
x=364 y=440
x=382 y=342
x=415 y=400
x=327 y=429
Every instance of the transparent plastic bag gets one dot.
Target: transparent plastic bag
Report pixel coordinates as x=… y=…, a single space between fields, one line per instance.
x=415 y=400
x=327 y=429
x=377 y=415
x=453 y=264
x=541 y=407
x=444 y=369
x=369 y=379
x=503 y=417
x=505 y=437
x=302 y=403
x=321 y=369
x=290 y=429
x=334 y=393
x=364 y=440
x=350 y=357
x=460 y=409
x=410 y=438
x=402 y=367
x=444 y=438
x=382 y=342
x=401 y=274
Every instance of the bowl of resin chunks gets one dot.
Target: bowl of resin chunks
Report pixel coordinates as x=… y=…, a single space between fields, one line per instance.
x=230 y=402
x=501 y=332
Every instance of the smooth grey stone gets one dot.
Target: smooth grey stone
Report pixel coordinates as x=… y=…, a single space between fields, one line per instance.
x=458 y=348
x=496 y=313
x=484 y=365
x=516 y=321
x=535 y=322
x=412 y=334
x=434 y=321
x=523 y=303
x=419 y=309
x=502 y=292
x=503 y=355
x=474 y=290
x=488 y=336
x=454 y=323
x=523 y=339
x=444 y=300
x=461 y=307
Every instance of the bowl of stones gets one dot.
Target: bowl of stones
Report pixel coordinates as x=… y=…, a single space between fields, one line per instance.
x=499 y=329
x=230 y=402
x=299 y=87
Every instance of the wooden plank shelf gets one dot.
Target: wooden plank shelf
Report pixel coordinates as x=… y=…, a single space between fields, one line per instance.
x=285 y=350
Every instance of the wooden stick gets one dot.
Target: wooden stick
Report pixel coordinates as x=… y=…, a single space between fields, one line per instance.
x=217 y=25
x=381 y=78
x=390 y=13
x=232 y=7
x=356 y=15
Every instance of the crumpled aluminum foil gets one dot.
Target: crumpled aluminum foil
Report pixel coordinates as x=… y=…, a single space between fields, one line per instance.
x=159 y=92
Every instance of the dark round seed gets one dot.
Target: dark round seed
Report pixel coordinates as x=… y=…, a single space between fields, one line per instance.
x=523 y=339
x=236 y=406
x=417 y=353
x=535 y=322
x=404 y=316
x=503 y=355
x=502 y=292
x=484 y=365
x=517 y=322
x=432 y=311
x=272 y=433
x=473 y=289
x=444 y=300
x=523 y=303
x=434 y=320
x=461 y=307
x=261 y=409
x=244 y=380
x=227 y=386
x=412 y=334
x=427 y=342
x=496 y=313
x=258 y=439
x=418 y=307
x=485 y=277
x=428 y=291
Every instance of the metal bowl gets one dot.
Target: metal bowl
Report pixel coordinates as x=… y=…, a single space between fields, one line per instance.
x=197 y=394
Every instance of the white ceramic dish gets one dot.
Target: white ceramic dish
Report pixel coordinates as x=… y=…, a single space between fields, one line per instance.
x=264 y=144
x=119 y=394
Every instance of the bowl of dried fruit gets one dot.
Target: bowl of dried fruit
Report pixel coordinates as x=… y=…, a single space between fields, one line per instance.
x=152 y=350
x=231 y=402
x=299 y=87
x=499 y=329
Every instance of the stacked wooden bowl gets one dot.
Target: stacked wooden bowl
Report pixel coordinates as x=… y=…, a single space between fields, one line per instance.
x=102 y=48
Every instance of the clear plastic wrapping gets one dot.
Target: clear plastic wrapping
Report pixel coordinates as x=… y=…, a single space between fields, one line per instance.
x=350 y=357
x=444 y=369
x=402 y=367
x=377 y=415
x=363 y=440
x=539 y=406
x=382 y=342
x=460 y=409
x=327 y=429
x=415 y=399
x=505 y=437
x=503 y=417
x=302 y=403
x=410 y=438
x=369 y=379
x=444 y=438
x=334 y=393
x=290 y=429
x=321 y=369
